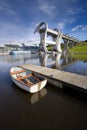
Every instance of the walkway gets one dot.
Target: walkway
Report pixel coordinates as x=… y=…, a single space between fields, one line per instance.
x=55 y=76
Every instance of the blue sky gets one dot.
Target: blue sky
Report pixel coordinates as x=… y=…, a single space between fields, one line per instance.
x=18 y=18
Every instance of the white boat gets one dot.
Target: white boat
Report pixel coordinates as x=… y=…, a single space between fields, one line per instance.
x=27 y=79
x=19 y=52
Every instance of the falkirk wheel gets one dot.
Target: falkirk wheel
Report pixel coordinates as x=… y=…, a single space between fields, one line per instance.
x=55 y=41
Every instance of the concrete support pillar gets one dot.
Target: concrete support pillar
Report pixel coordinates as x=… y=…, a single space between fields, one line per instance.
x=42 y=30
x=43 y=42
x=57 y=40
x=71 y=44
x=66 y=42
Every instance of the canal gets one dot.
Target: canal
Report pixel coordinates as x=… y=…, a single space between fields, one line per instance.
x=51 y=108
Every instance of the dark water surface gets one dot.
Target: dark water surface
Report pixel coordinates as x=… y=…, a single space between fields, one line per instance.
x=52 y=108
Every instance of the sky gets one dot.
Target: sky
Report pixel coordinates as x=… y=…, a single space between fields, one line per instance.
x=19 y=18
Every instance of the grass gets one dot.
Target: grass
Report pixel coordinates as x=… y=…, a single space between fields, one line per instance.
x=81 y=48
x=80 y=51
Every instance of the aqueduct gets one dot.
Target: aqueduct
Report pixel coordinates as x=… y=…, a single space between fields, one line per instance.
x=56 y=36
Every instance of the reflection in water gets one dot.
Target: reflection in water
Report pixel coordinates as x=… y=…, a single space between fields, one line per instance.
x=70 y=94
x=57 y=61
x=17 y=58
x=11 y=60
x=49 y=60
x=65 y=61
x=38 y=96
x=29 y=98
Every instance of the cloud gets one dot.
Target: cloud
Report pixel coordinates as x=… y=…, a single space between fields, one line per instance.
x=81 y=35
x=47 y=7
x=64 y=22
x=80 y=27
x=61 y=25
x=6 y=8
x=13 y=32
x=69 y=20
x=70 y=11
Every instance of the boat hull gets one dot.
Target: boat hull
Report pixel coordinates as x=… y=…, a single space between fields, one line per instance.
x=32 y=88
x=19 y=52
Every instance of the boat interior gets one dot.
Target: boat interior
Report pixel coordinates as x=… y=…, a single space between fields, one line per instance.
x=26 y=76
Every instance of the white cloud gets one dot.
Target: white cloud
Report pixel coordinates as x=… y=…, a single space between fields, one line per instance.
x=64 y=22
x=12 y=32
x=81 y=35
x=47 y=7
x=61 y=25
x=80 y=27
x=69 y=20
x=6 y=8
x=70 y=11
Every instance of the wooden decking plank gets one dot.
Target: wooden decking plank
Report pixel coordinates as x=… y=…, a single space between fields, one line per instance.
x=77 y=79
x=67 y=77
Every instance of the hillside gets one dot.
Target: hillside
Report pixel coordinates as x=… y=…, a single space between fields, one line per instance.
x=80 y=48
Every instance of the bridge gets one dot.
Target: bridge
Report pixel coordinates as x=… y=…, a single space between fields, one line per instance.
x=56 y=37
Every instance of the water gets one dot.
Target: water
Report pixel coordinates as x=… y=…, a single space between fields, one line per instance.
x=51 y=108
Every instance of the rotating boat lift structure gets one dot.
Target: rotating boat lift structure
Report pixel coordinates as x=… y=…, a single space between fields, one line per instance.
x=56 y=35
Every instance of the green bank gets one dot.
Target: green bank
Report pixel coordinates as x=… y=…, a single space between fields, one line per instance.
x=80 y=51
x=79 y=48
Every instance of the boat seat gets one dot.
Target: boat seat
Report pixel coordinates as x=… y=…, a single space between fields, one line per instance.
x=19 y=77
x=29 y=79
x=18 y=71
x=26 y=81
